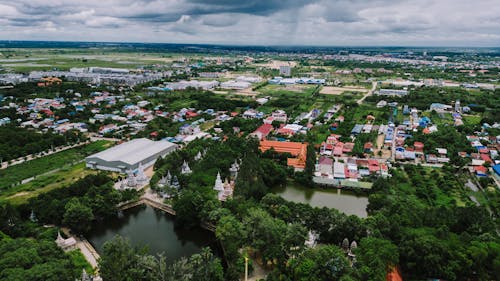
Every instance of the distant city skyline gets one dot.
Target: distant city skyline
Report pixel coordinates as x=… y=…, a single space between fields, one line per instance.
x=459 y=23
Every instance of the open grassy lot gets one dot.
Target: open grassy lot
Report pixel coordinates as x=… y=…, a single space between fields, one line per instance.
x=15 y=174
x=67 y=175
x=281 y=90
x=47 y=59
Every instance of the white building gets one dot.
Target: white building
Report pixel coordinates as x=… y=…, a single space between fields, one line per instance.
x=129 y=155
x=285 y=70
x=235 y=85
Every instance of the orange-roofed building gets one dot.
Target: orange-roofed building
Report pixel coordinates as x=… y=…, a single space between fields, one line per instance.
x=48 y=81
x=296 y=149
x=394 y=275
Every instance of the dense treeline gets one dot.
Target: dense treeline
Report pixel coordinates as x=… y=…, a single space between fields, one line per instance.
x=81 y=203
x=17 y=142
x=36 y=259
x=446 y=137
x=28 y=251
x=120 y=261
x=419 y=213
x=422 y=97
x=201 y=100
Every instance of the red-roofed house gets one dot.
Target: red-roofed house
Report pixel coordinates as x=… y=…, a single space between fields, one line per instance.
x=191 y=114
x=481 y=171
x=486 y=158
x=368 y=147
x=419 y=147
x=263 y=131
x=348 y=147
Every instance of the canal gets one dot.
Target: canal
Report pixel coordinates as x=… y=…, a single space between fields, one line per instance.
x=342 y=200
x=147 y=227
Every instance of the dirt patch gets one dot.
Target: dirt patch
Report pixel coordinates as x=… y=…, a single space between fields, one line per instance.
x=386 y=153
x=22 y=193
x=329 y=90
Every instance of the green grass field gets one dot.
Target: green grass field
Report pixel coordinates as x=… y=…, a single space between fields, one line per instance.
x=60 y=160
x=21 y=193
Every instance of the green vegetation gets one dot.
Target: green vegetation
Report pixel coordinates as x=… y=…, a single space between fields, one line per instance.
x=480 y=101
x=17 y=142
x=434 y=236
x=15 y=174
x=81 y=203
x=28 y=251
x=120 y=261
x=40 y=259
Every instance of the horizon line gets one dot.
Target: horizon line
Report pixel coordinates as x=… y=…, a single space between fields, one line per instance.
x=255 y=45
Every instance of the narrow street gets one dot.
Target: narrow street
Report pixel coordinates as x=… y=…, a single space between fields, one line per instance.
x=369 y=93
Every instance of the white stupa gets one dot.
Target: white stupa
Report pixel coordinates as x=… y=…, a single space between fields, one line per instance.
x=162 y=182
x=169 y=177
x=131 y=180
x=185 y=168
x=311 y=239
x=235 y=167
x=219 y=187
x=141 y=177
x=175 y=183
x=198 y=156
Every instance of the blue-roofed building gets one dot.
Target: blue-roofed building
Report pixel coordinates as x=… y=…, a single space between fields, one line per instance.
x=406 y=109
x=439 y=107
x=357 y=129
x=496 y=170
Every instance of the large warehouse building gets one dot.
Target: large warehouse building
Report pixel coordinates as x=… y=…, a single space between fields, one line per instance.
x=128 y=156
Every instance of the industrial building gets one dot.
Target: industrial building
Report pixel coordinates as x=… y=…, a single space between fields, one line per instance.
x=127 y=156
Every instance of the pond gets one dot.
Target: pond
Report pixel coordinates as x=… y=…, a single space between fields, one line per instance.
x=145 y=226
x=342 y=200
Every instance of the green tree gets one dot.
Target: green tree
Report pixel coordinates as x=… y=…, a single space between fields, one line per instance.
x=326 y=262
x=120 y=261
x=374 y=258
x=232 y=234
x=78 y=216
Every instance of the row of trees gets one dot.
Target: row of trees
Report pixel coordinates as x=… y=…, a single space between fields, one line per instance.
x=17 y=142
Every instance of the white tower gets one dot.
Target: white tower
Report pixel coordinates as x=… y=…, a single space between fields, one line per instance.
x=219 y=186
x=457 y=106
x=185 y=168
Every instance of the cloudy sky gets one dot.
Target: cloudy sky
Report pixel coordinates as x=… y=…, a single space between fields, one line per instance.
x=256 y=22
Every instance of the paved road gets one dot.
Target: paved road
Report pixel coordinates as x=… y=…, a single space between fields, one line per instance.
x=369 y=93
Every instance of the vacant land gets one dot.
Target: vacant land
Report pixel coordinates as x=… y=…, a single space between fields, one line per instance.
x=67 y=175
x=273 y=90
x=15 y=174
x=330 y=90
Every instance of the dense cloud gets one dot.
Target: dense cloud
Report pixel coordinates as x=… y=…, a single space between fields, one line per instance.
x=262 y=22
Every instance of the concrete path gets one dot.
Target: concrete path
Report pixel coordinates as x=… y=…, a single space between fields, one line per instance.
x=369 y=93
x=86 y=249
x=258 y=273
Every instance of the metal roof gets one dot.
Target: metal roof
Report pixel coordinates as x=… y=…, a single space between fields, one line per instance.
x=133 y=151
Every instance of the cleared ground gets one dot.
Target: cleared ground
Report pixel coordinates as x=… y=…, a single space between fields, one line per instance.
x=330 y=90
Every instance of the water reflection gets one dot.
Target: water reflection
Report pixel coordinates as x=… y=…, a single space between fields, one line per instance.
x=342 y=200
x=147 y=227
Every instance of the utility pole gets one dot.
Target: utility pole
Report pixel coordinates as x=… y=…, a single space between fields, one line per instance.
x=246 y=268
